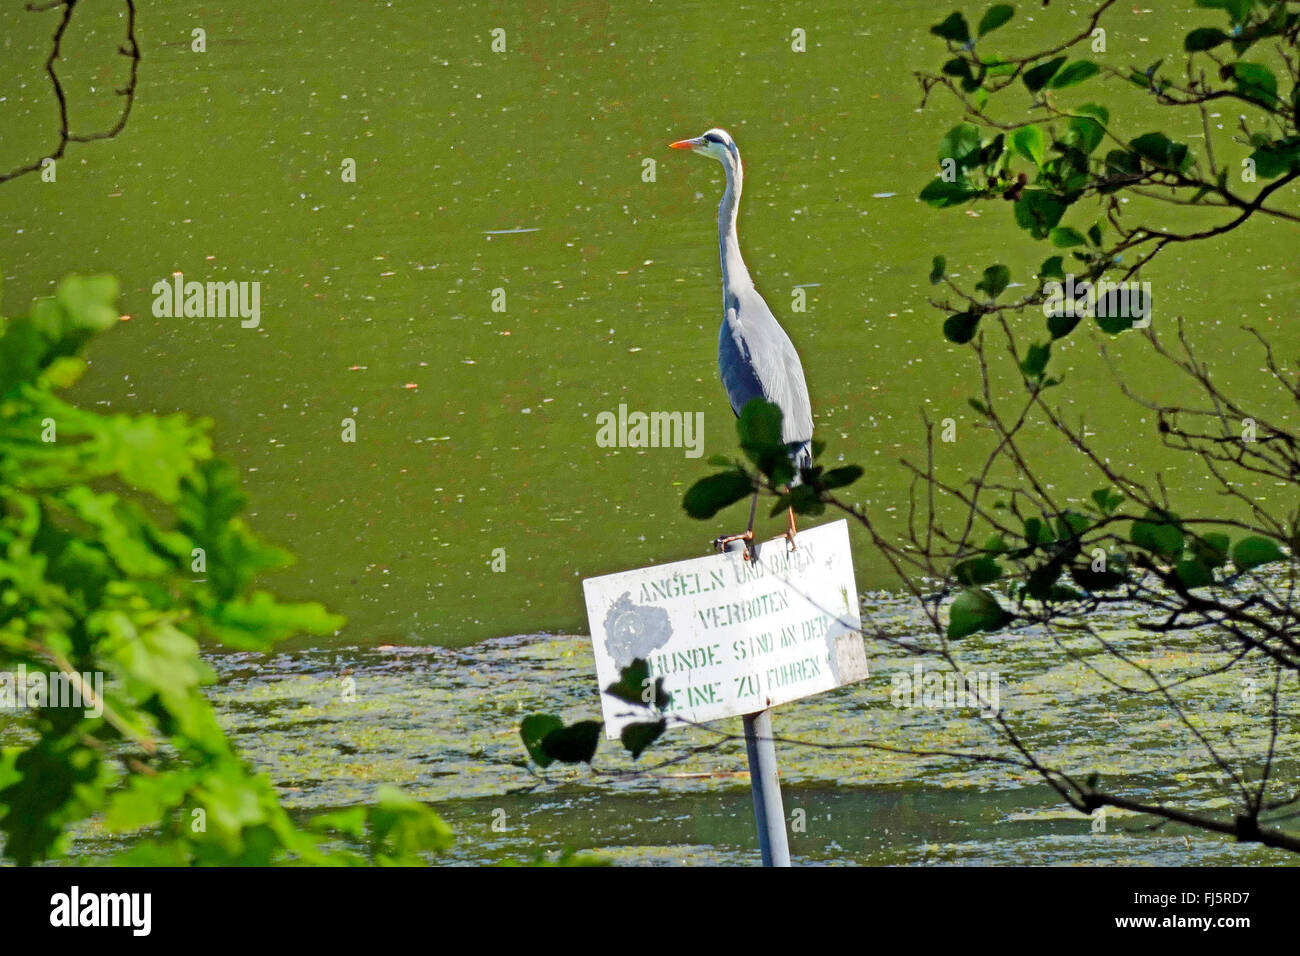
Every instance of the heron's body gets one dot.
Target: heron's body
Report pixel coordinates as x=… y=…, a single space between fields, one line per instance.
x=756 y=358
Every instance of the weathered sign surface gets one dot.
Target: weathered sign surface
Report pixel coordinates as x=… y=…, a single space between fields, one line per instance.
x=731 y=636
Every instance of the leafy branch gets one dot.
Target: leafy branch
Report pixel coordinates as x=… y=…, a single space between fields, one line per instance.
x=121 y=548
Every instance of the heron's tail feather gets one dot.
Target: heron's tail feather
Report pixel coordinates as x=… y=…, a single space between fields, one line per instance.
x=800 y=457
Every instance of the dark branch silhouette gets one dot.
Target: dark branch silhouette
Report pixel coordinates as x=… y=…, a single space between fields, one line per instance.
x=129 y=49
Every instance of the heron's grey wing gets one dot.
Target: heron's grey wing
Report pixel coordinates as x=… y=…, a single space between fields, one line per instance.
x=757 y=359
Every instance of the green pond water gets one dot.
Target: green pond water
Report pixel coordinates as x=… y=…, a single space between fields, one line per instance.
x=329 y=726
x=476 y=429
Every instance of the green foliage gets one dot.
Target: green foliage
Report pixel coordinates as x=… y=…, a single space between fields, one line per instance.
x=954 y=29
x=121 y=548
x=961 y=327
x=1075 y=73
x=975 y=571
x=397 y=830
x=1113 y=573
x=1210 y=549
x=637 y=737
x=1030 y=143
x=1253 y=551
x=976 y=609
x=1204 y=38
x=838 y=477
x=961 y=144
x=1160 y=151
x=635 y=686
x=1274 y=158
x=533 y=730
x=1087 y=128
x=995 y=16
x=575 y=743
x=1160 y=533
x=1256 y=82
x=1057 y=163
x=1037 y=533
x=548 y=740
x=1034 y=364
x=710 y=495
x=1063 y=237
x=1052 y=268
x=994 y=281
x=942 y=194
x=759 y=428
x=1037 y=211
x=1039 y=76
x=804 y=499
x=1193 y=574
x=1107 y=500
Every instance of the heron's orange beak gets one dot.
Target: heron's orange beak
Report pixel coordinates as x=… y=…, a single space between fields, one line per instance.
x=684 y=144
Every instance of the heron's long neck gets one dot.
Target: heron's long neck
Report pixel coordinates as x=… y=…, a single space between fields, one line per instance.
x=734 y=272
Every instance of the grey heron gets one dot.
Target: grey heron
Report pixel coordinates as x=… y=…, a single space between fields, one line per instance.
x=756 y=359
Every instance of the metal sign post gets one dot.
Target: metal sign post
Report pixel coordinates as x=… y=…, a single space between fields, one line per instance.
x=769 y=811
x=730 y=637
x=765 y=780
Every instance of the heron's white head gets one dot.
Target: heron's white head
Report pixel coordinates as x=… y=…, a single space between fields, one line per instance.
x=716 y=143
